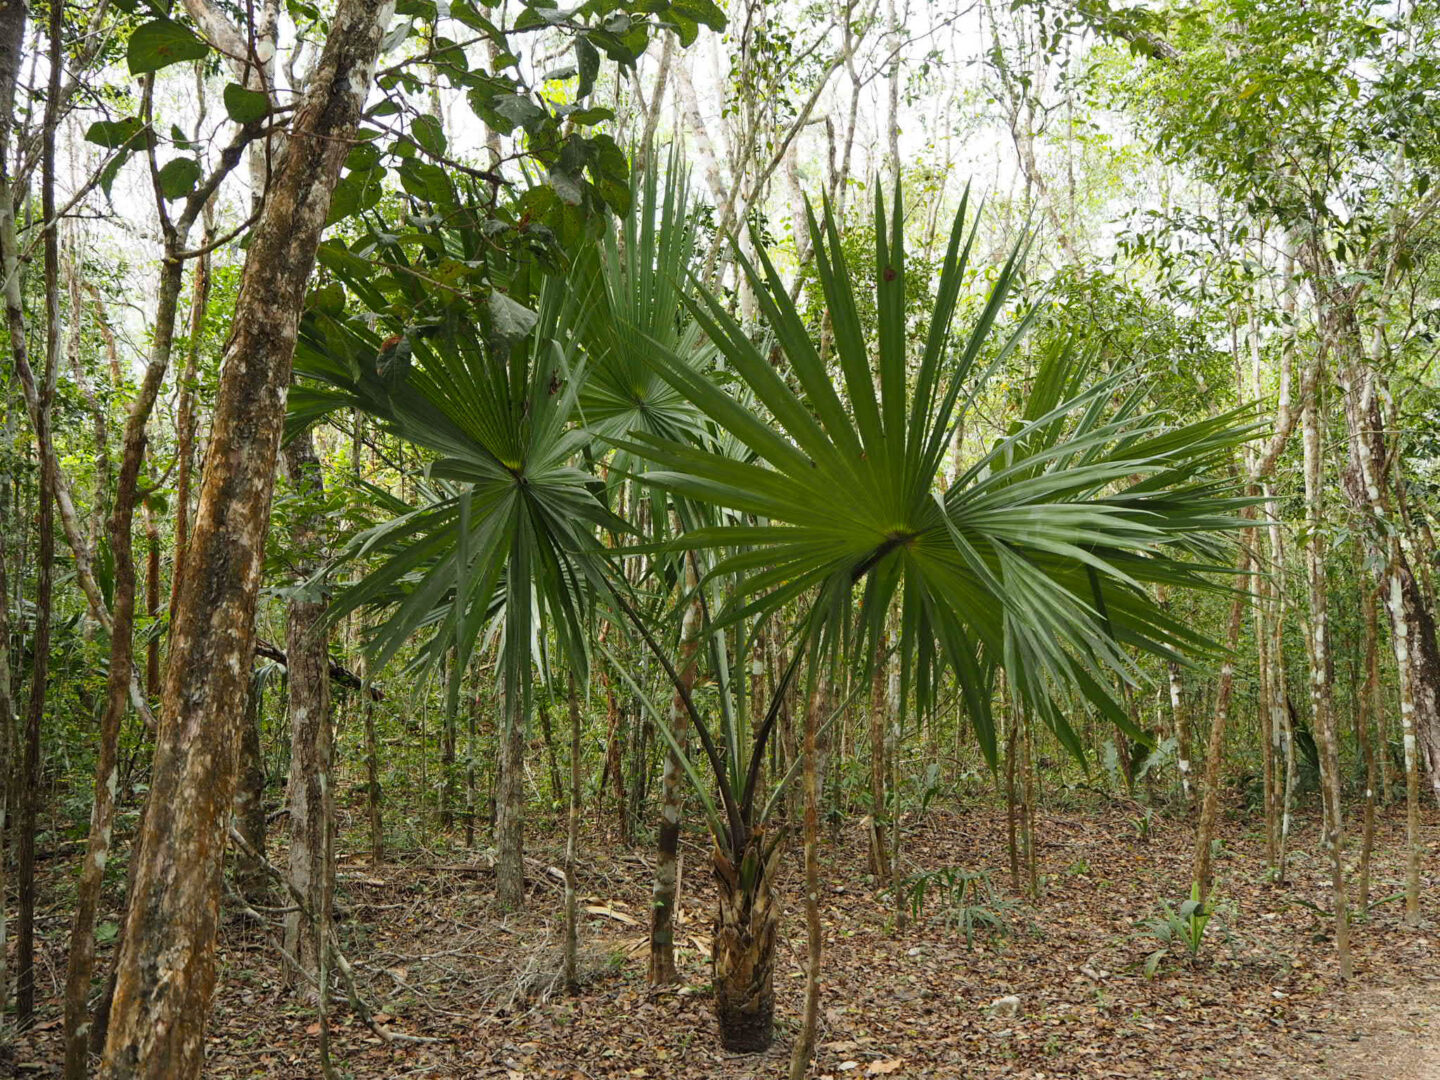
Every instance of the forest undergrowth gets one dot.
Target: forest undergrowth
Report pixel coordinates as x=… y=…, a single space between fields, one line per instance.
x=1258 y=1001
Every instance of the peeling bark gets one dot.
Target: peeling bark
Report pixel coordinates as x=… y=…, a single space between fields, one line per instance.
x=166 y=971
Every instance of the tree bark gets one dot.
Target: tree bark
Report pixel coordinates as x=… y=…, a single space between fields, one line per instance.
x=510 y=805
x=39 y=671
x=1369 y=710
x=12 y=39
x=251 y=876
x=308 y=664
x=1321 y=703
x=166 y=971
x=7 y=729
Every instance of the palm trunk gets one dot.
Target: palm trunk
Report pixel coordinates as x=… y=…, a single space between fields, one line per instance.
x=166 y=971
x=510 y=806
x=743 y=947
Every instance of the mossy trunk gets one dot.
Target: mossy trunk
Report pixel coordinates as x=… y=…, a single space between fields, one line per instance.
x=743 y=949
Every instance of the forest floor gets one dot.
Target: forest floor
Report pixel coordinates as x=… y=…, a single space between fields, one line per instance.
x=1261 y=1000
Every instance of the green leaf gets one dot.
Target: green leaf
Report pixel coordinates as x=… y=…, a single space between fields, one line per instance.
x=159 y=44
x=587 y=62
x=519 y=109
x=113 y=134
x=428 y=132
x=511 y=320
x=245 y=106
x=179 y=177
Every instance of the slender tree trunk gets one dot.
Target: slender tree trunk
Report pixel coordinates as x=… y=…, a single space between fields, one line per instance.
x=510 y=805
x=185 y=412
x=552 y=756
x=8 y=740
x=672 y=798
x=166 y=971
x=152 y=602
x=1368 y=711
x=373 y=794
x=1323 y=719
x=12 y=40
x=1028 y=823
x=102 y=815
x=1400 y=630
x=804 y=1047
x=308 y=665
x=39 y=672
x=1011 y=748
x=572 y=847
x=879 y=721
x=250 y=875
x=1215 y=752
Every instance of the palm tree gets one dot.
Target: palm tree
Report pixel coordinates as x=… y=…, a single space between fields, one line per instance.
x=826 y=489
x=1036 y=559
x=510 y=528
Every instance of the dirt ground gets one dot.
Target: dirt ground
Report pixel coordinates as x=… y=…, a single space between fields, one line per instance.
x=1261 y=1000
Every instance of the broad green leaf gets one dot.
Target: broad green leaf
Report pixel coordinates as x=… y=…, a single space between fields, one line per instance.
x=245 y=106
x=160 y=43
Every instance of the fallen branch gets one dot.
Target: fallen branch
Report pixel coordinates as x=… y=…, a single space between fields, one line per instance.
x=339 y=673
x=357 y=1002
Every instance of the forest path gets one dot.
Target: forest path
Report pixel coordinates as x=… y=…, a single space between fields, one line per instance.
x=1391 y=1033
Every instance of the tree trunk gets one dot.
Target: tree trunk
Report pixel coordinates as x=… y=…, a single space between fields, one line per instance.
x=250 y=876
x=12 y=41
x=814 y=941
x=102 y=816
x=373 y=794
x=672 y=798
x=743 y=947
x=1368 y=712
x=572 y=847
x=1323 y=719
x=1215 y=752
x=510 y=806
x=166 y=971
x=308 y=665
x=39 y=672
x=185 y=413
x=8 y=739
x=879 y=721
